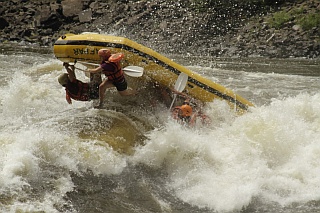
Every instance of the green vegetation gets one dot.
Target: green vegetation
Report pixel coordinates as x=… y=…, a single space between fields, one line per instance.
x=310 y=21
x=297 y=16
x=279 y=18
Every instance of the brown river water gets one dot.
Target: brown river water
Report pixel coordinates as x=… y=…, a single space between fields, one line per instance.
x=132 y=157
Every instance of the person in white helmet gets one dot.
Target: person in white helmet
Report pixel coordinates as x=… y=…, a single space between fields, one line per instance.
x=76 y=89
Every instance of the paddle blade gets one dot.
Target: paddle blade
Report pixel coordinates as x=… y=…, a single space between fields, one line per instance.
x=133 y=71
x=181 y=82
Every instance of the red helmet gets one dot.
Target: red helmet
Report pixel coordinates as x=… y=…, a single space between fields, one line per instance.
x=105 y=53
x=186 y=110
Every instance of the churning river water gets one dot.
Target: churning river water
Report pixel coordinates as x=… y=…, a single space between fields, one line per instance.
x=132 y=157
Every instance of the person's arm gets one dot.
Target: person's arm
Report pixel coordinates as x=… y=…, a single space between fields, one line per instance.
x=193 y=119
x=187 y=98
x=68 y=98
x=180 y=94
x=70 y=70
x=95 y=70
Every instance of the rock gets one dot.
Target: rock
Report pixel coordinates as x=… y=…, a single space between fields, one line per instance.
x=52 y=22
x=3 y=23
x=94 y=5
x=44 y=13
x=221 y=28
x=55 y=7
x=85 y=16
x=296 y=27
x=71 y=8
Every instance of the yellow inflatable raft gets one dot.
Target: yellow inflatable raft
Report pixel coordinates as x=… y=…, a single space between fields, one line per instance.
x=85 y=47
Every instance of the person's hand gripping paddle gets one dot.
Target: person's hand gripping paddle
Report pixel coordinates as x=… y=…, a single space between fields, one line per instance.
x=133 y=71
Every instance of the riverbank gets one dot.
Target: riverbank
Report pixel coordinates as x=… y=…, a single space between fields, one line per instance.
x=208 y=28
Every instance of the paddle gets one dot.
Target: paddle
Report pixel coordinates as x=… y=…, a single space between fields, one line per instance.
x=180 y=84
x=133 y=71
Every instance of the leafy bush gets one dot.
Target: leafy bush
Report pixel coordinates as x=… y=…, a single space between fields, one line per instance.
x=309 y=21
x=279 y=18
x=298 y=15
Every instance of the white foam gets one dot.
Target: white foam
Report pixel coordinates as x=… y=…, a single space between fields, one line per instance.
x=271 y=152
x=268 y=153
x=34 y=133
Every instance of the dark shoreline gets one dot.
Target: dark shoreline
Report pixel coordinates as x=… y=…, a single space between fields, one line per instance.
x=229 y=29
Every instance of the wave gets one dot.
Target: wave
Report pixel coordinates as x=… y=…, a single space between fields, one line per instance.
x=267 y=153
x=54 y=156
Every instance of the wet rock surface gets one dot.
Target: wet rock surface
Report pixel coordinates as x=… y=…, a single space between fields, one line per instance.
x=230 y=28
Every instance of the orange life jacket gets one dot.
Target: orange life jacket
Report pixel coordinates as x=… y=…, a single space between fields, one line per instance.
x=116 y=74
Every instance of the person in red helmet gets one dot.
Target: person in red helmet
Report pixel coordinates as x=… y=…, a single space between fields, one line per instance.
x=184 y=114
x=190 y=112
x=110 y=66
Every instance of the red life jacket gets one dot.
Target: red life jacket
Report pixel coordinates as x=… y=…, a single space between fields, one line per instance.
x=77 y=90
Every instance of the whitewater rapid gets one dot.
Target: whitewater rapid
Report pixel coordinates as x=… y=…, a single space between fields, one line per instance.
x=54 y=157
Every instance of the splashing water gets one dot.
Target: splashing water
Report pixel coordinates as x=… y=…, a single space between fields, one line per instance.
x=57 y=157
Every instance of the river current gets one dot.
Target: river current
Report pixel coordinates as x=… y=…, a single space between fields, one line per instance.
x=132 y=157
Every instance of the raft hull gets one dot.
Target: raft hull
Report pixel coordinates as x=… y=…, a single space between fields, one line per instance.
x=85 y=47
